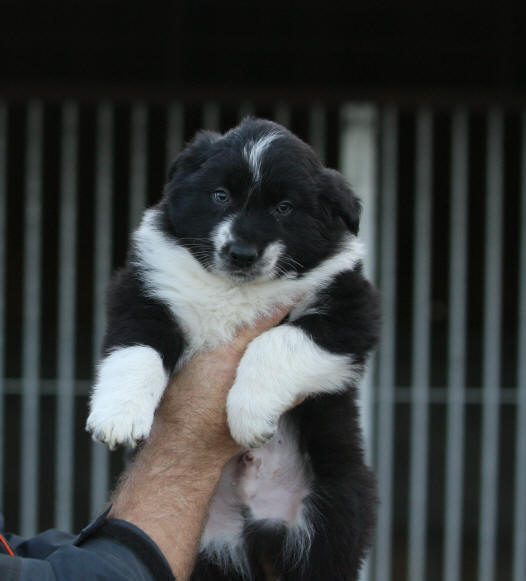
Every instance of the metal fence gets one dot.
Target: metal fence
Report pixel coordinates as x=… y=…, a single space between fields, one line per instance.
x=444 y=402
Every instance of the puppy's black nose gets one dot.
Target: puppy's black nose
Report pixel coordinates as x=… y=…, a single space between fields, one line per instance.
x=242 y=255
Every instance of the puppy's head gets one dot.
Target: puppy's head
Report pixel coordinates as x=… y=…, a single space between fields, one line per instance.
x=256 y=204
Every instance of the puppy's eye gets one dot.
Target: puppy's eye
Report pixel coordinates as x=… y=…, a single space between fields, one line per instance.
x=221 y=197
x=284 y=208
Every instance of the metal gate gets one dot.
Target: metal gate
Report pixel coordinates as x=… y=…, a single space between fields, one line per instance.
x=444 y=402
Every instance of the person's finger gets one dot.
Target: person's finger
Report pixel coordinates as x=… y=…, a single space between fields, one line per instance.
x=246 y=334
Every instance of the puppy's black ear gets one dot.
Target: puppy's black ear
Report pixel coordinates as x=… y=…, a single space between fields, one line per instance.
x=338 y=198
x=194 y=154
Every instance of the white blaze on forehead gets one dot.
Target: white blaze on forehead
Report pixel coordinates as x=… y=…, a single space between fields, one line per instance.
x=254 y=150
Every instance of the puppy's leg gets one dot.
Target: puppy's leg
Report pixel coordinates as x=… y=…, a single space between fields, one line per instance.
x=279 y=368
x=129 y=386
x=342 y=506
x=141 y=348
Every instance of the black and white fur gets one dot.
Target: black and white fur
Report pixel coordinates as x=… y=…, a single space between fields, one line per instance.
x=250 y=219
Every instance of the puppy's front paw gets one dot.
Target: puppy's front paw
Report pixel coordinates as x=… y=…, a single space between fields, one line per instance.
x=129 y=386
x=250 y=424
x=125 y=425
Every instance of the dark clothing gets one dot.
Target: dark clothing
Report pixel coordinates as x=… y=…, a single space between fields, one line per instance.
x=106 y=550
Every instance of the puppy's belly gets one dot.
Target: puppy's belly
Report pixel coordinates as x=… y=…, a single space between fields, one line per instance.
x=267 y=484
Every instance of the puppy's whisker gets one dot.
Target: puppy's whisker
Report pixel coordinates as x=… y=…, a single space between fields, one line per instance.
x=291 y=261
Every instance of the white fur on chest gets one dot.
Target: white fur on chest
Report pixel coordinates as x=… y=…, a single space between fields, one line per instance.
x=209 y=308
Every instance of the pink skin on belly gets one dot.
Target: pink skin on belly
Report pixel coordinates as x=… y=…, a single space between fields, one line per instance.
x=271 y=481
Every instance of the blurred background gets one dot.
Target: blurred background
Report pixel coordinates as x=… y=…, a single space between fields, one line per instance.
x=421 y=105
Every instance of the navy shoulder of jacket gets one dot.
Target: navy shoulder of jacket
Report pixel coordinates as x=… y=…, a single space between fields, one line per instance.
x=107 y=549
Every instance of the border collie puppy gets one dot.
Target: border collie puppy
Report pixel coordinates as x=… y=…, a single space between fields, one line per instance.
x=250 y=219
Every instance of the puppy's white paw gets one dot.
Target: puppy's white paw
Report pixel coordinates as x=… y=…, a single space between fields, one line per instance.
x=130 y=383
x=279 y=368
x=126 y=425
x=259 y=395
x=251 y=426
x=252 y=419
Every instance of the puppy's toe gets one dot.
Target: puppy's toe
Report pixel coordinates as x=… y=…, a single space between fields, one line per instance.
x=261 y=439
x=125 y=427
x=251 y=431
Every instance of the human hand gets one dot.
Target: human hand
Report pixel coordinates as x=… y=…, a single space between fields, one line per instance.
x=194 y=405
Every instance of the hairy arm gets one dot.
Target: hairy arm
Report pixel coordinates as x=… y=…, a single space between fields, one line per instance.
x=167 y=490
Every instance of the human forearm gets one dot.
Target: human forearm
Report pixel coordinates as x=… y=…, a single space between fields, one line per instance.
x=169 y=499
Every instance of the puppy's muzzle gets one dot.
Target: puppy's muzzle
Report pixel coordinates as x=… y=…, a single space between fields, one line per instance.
x=240 y=255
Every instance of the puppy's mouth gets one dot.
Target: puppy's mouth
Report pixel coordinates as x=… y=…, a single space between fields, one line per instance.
x=241 y=275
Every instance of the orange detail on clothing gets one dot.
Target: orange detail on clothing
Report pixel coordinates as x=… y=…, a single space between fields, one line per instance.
x=7 y=547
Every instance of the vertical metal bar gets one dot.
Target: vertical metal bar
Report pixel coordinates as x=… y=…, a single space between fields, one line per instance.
x=138 y=162
x=103 y=265
x=386 y=351
x=211 y=116
x=318 y=130
x=282 y=114
x=491 y=353
x=175 y=139
x=31 y=320
x=3 y=242
x=456 y=347
x=519 y=533
x=65 y=435
x=358 y=164
x=421 y=347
